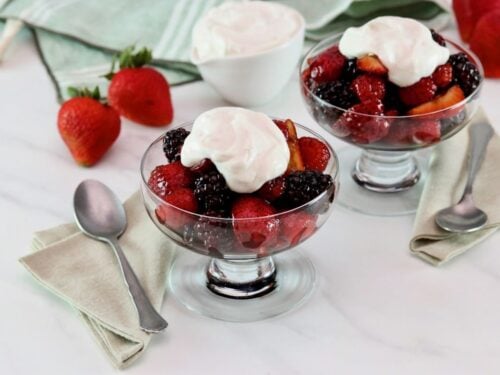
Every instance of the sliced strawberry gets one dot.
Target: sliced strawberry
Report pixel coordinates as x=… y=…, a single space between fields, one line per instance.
x=295 y=163
x=165 y=178
x=451 y=97
x=315 y=153
x=485 y=42
x=260 y=231
x=418 y=93
x=443 y=75
x=272 y=189
x=297 y=226
x=288 y=129
x=325 y=67
x=181 y=198
x=368 y=87
x=371 y=64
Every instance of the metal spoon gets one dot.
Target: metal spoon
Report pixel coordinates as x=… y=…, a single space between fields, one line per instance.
x=465 y=216
x=100 y=215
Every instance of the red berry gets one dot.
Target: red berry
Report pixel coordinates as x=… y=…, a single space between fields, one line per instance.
x=400 y=133
x=165 y=178
x=260 y=231
x=315 y=153
x=297 y=226
x=204 y=166
x=181 y=199
x=272 y=189
x=426 y=131
x=325 y=67
x=368 y=87
x=485 y=40
x=418 y=93
x=443 y=75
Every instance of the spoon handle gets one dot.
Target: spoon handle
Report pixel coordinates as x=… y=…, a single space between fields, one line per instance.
x=149 y=319
x=480 y=135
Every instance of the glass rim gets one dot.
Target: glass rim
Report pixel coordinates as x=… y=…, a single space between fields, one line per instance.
x=324 y=103
x=334 y=174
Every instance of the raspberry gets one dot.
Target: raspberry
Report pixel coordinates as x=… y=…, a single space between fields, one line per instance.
x=371 y=131
x=443 y=75
x=426 y=132
x=315 y=153
x=368 y=87
x=212 y=193
x=337 y=93
x=418 y=93
x=165 y=178
x=297 y=226
x=261 y=230
x=216 y=236
x=325 y=67
x=272 y=189
x=465 y=73
x=183 y=199
x=172 y=143
x=302 y=187
x=438 y=38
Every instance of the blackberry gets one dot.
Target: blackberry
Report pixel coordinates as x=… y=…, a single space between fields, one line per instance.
x=465 y=73
x=172 y=143
x=392 y=99
x=337 y=93
x=212 y=193
x=350 y=70
x=438 y=38
x=303 y=186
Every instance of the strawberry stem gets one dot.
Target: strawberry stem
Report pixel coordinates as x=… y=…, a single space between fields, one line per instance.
x=128 y=59
x=85 y=92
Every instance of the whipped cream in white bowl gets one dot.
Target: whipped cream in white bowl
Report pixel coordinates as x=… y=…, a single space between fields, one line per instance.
x=248 y=50
x=247 y=147
x=404 y=45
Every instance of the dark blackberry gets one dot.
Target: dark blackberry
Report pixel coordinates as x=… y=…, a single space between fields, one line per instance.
x=172 y=143
x=392 y=99
x=214 y=236
x=337 y=93
x=212 y=193
x=303 y=186
x=438 y=38
x=350 y=70
x=465 y=73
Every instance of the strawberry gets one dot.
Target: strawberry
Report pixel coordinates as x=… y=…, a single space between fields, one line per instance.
x=260 y=231
x=371 y=64
x=297 y=226
x=451 y=97
x=425 y=132
x=469 y=12
x=272 y=189
x=140 y=93
x=443 y=75
x=315 y=153
x=87 y=126
x=418 y=93
x=368 y=87
x=288 y=129
x=175 y=218
x=485 y=41
x=325 y=67
x=166 y=178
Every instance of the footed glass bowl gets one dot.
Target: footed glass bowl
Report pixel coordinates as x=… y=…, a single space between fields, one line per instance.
x=226 y=268
x=385 y=174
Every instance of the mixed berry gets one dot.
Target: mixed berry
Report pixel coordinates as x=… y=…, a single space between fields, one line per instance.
x=251 y=222
x=359 y=87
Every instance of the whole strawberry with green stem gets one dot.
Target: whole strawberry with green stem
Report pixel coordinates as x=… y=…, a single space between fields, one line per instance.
x=87 y=125
x=138 y=92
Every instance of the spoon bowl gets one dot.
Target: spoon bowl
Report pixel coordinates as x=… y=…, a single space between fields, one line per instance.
x=462 y=218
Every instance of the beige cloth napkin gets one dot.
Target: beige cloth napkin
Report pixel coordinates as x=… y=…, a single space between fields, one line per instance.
x=85 y=273
x=444 y=186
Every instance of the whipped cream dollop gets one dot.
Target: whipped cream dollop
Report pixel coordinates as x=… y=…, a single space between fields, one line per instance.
x=403 y=45
x=243 y=29
x=247 y=147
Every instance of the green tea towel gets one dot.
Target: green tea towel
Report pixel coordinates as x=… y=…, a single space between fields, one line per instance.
x=84 y=272
x=77 y=38
x=444 y=187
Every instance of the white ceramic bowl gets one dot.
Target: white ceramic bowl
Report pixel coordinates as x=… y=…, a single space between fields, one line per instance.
x=253 y=80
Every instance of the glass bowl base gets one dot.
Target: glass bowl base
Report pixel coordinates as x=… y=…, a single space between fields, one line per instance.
x=295 y=280
x=361 y=199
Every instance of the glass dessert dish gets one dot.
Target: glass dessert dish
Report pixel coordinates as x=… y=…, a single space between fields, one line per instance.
x=383 y=174
x=225 y=267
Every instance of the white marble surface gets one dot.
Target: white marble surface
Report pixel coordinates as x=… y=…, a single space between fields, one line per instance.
x=376 y=308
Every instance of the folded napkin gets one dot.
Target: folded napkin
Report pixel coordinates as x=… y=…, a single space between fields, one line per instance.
x=77 y=38
x=444 y=187
x=85 y=273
